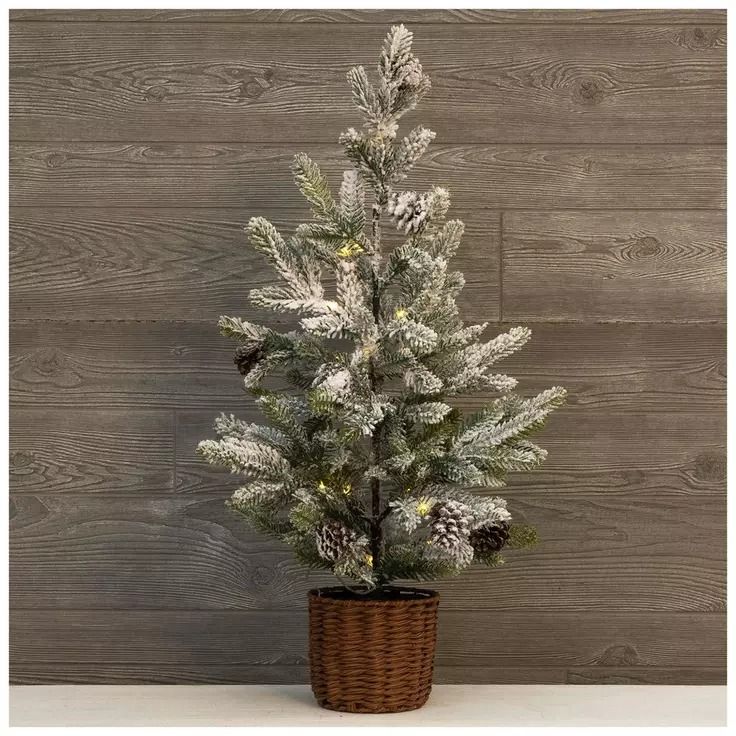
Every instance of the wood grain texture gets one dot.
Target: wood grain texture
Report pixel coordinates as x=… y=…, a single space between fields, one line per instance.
x=175 y=264
x=621 y=452
x=645 y=676
x=622 y=266
x=253 y=177
x=286 y=82
x=91 y=451
x=585 y=151
x=641 y=550
x=623 y=367
x=50 y=673
x=383 y=17
x=195 y=638
x=122 y=364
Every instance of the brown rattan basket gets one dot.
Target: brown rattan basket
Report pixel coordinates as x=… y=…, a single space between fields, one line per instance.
x=372 y=655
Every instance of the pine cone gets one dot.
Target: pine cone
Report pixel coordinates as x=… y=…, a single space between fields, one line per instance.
x=408 y=211
x=412 y=74
x=334 y=540
x=411 y=211
x=449 y=525
x=247 y=357
x=489 y=538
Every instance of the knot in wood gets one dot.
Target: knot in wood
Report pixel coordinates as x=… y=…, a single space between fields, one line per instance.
x=55 y=160
x=263 y=576
x=699 y=39
x=156 y=94
x=647 y=246
x=20 y=460
x=619 y=655
x=710 y=466
x=254 y=87
x=589 y=92
x=48 y=362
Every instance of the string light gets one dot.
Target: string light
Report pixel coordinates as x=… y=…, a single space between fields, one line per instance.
x=351 y=248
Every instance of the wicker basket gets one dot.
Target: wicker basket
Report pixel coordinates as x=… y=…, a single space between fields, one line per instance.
x=370 y=655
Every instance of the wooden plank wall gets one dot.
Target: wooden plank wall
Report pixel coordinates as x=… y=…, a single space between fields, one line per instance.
x=584 y=150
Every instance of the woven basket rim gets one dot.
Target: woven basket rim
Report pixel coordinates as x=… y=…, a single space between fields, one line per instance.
x=414 y=597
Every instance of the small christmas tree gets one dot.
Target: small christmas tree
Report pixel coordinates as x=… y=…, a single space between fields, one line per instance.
x=363 y=467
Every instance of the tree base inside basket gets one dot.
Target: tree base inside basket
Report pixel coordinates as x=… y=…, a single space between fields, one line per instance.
x=384 y=593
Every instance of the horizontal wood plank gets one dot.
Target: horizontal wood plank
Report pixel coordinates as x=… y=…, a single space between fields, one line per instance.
x=181 y=673
x=639 y=550
x=622 y=367
x=557 y=265
x=91 y=451
x=478 y=176
x=646 y=676
x=657 y=368
x=427 y=15
x=621 y=266
x=119 y=364
x=585 y=150
x=175 y=264
x=616 y=452
x=286 y=82
x=466 y=638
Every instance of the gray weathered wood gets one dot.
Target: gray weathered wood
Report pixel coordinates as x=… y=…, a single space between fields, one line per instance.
x=621 y=450
x=286 y=82
x=622 y=367
x=199 y=638
x=122 y=364
x=626 y=367
x=96 y=551
x=645 y=676
x=415 y=17
x=624 y=266
x=180 y=673
x=593 y=141
x=254 y=177
x=110 y=451
x=181 y=264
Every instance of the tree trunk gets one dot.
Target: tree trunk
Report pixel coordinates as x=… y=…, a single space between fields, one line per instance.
x=376 y=381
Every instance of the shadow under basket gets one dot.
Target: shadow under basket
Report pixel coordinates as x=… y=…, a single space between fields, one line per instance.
x=372 y=653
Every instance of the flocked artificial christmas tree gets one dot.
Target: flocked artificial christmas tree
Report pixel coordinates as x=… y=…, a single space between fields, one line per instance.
x=364 y=467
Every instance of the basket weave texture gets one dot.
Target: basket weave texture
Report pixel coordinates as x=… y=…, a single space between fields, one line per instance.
x=372 y=656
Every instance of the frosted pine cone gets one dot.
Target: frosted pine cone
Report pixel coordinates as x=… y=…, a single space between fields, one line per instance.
x=408 y=211
x=247 y=357
x=411 y=211
x=416 y=143
x=412 y=74
x=449 y=529
x=489 y=538
x=336 y=383
x=335 y=540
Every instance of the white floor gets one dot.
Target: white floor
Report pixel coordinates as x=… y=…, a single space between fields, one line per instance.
x=293 y=705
